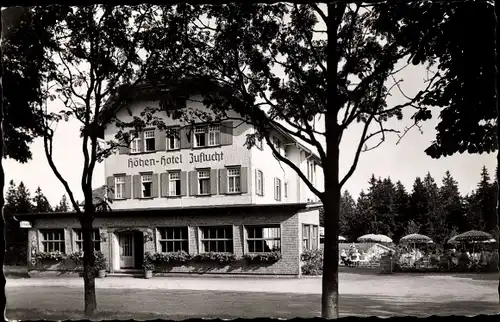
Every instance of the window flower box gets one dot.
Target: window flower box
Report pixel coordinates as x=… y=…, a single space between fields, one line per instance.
x=218 y=257
x=267 y=257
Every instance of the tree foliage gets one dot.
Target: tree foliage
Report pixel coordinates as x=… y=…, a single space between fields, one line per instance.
x=460 y=51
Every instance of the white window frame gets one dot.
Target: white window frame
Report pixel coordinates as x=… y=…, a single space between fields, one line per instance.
x=49 y=240
x=149 y=135
x=175 y=139
x=263 y=239
x=164 y=241
x=120 y=187
x=277 y=144
x=135 y=146
x=146 y=178
x=200 y=130
x=213 y=135
x=277 y=189
x=203 y=175
x=205 y=240
x=260 y=183
x=233 y=177
x=173 y=178
x=79 y=239
x=311 y=240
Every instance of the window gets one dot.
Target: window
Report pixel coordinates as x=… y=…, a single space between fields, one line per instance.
x=53 y=240
x=213 y=135
x=306 y=238
x=277 y=189
x=311 y=171
x=119 y=187
x=260 y=183
x=135 y=145
x=258 y=144
x=233 y=180
x=200 y=137
x=149 y=141
x=173 y=239
x=310 y=236
x=79 y=239
x=285 y=188
x=147 y=185
x=174 y=184
x=204 y=182
x=173 y=139
x=314 y=237
x=264 y=239
x=217 y=239
x=277 y=144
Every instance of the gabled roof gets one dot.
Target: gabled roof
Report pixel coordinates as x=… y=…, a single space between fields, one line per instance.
x=183 y=87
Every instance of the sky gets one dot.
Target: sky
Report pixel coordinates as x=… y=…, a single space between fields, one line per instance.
x=403 y=161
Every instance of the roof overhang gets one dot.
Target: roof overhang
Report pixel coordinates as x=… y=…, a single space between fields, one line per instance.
x=291 y=208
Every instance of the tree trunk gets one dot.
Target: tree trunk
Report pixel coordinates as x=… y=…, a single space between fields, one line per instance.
x=89 y=272
x=2 y=202
x=331 y=195
x=497 y=91
x=330 y=289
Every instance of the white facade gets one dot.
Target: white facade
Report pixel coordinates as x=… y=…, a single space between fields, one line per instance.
x=166 y=172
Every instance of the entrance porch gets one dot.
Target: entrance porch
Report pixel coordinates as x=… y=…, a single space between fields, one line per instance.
x=126 y=249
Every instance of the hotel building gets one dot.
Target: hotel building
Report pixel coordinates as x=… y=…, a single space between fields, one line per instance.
x=198 y=189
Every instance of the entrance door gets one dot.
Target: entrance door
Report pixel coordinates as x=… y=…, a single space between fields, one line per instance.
x=127 y=250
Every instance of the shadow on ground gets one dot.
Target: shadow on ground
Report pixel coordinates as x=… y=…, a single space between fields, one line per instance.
x=52 y=303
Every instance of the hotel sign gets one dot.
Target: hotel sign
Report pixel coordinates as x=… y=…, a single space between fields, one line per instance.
x=24 y=224
x=175 y=159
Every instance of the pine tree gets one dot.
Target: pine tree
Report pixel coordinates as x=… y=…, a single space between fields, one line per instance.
x=63 y=205
x=361 y=223
x=484 y=200
x=41 y=204
x=419 y=205
x=23 y=199
x=450 y=208
x=10 y=199
x=401 y=208
x=436 y=221
x=347 y=213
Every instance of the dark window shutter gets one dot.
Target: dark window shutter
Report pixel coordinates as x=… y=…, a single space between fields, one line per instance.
x=222 y=181
x=123 y=150
x=160 y=140
x=226 y=133
x=154 y=193
x=244 y=179
x=183 y=183
x=274 y=188
x=213 y=181
x=128 y=187
x=164 y=184
x=141 y=141
x=111 y=187
x=137 y=186
x=185 y=137
x=193 y=187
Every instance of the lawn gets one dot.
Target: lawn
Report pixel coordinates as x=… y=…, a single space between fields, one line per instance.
x=59 y=303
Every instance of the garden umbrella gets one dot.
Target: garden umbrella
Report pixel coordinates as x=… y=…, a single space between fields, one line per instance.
x=473 y=236
x=416 y=239
x=374 y=238
x=342 y=238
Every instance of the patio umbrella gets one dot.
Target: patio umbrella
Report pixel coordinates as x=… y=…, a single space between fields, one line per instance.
x=374 y=238
x=416 y=239
x=473 y=236
x=342 y=238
